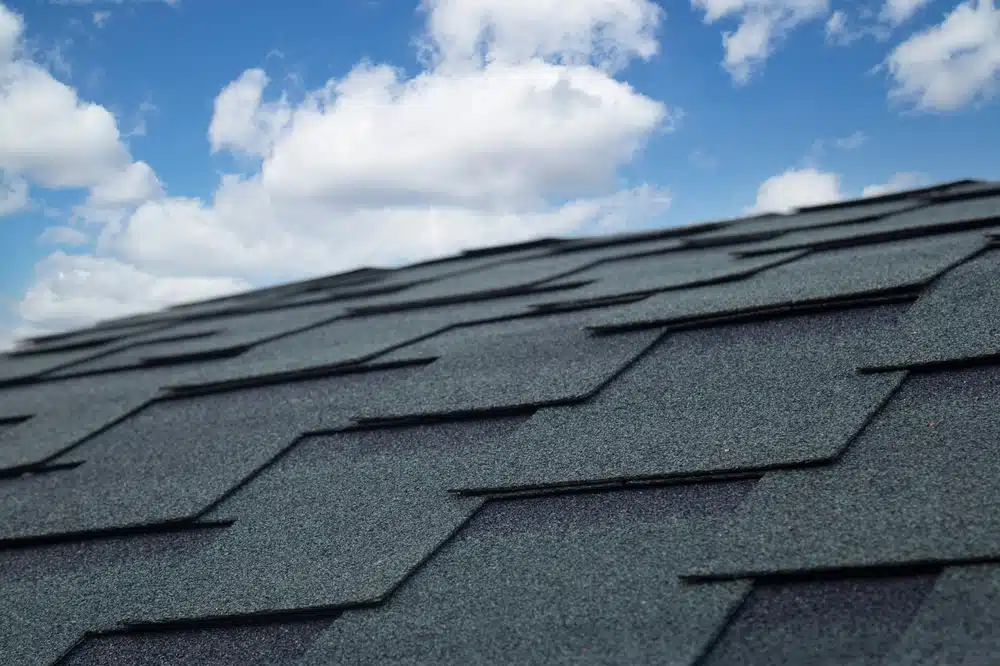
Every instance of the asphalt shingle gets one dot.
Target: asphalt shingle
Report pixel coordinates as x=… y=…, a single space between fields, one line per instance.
x=575 y=579
x=918 y=485
x=818 y=277
x=789 y=386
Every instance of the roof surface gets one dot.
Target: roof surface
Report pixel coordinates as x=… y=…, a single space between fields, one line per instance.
x=762 y=441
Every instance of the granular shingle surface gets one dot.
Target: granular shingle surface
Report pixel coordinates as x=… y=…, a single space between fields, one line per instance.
x=770 y=440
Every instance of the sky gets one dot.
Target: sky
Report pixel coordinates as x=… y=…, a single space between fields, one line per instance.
x=160 y=151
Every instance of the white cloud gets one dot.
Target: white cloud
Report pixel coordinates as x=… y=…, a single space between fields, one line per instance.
x=950 y=65
x=763 y=26
x=796 y=188
x=71 y=289
x=67 y=236
x=852 y=142
x=899 y=11
x=515 y=128
x=13 y=194
x=898 y=182
x=100 y=19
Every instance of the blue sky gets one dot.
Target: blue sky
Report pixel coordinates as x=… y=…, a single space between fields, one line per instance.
x=809 y=101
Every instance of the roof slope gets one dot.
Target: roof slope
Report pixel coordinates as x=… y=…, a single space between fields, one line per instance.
x=760 y=441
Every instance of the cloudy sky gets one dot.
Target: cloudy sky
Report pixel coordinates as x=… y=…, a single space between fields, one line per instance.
x=156 y=151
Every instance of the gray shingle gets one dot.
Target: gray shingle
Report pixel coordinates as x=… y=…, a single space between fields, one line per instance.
x=532 y=361
x=175 y=458
x=854 y=621
x=819 y=219
x=919 y=484
x=51 y=596
x=950 y=216
x=790 y=392
x=956 y=318
x=959 y=622
x=666 y=271
x=517 y=274
x=823 y=276
x=577 y=579
x=339 y=520
x=354 y=339
x=254 y=645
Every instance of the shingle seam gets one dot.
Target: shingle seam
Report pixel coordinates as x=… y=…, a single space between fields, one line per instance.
x=720 y=628
x=877 y=297
x=913 y=567
x=629 y=296
x=179 y=391
x=219 y=354
x=140 y=529
x=734 y=239
x=535 y=287
x=12 y=473
x=879 y=237
x=622 y=483
x=926 y=367
x=278 y=616
x=640 y=237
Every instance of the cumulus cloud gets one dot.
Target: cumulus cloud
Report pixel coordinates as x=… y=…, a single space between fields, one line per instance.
x=952 y=64
x=67 y=236
x=899 y=11
x=515 y=128
x=898 y=182
x=796 y=188
x=763 y=25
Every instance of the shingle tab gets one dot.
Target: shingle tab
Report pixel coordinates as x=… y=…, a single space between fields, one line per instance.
x=918 y=485
x=789 y=387
x=950 y=216
x=175 y=458
x=577 y=579
x=823 y=623
x=533 y=361
x=340 y=520
x=823 y=276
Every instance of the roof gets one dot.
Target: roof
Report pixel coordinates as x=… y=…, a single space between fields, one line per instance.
x=770 y=440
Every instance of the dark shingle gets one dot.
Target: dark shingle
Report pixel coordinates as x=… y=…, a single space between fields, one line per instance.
x=955 y=319
x=254 y=645
x=951 y=216
x=830 y=275
x=50 y=596
x=577 y=579
x=789 y=388
x=853 y=621
x=958 y=623
x=919 y=484
x=339 y=520
x=819 y=219
x=533 y=361
x=176 y=458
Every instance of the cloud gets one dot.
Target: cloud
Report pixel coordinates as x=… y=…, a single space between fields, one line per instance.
x=101 y=18
x=67 y=236
x=763 y=25
x=13 y=194
x=950 y=65
x=852 y=142
x=899 y=11
x=898 y=182
x=515 y=128
x=796 y=188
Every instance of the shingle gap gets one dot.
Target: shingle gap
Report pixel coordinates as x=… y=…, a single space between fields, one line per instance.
x=151 y=529
x=912 y=568
x=613 y=485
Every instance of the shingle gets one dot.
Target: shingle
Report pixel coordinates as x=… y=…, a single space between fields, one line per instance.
x=577 y=579
x=956 y=318
x=340 y=520
x=192 y=339
x=175 y=458
x=788 y=385
x=254 y=645
x=666 y=271
x=966 y=190
x=50 y=596
x=776 y=224
x=821 y=276
x=951 y=216
x=919 y=484
x=853 y=621
x=516 y=274
x=531 y=361
x=354 y=339
x=959 y=622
